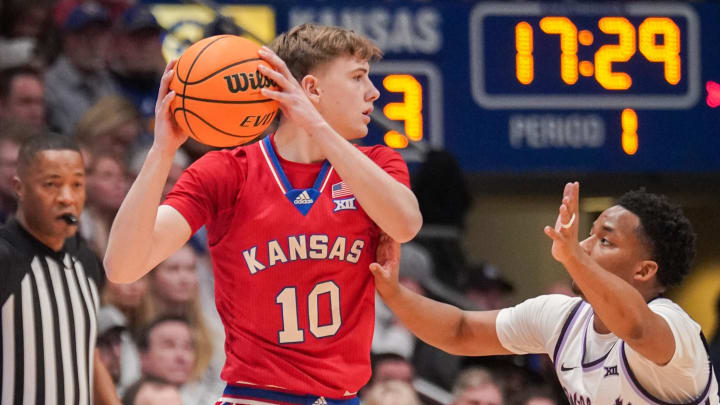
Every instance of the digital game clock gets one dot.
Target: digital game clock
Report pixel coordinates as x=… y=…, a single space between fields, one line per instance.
x=634 y=55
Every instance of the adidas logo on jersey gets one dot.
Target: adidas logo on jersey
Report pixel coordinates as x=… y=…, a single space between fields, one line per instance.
x=320 y=401
x=303 y=198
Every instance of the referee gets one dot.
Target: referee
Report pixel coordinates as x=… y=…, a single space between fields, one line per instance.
x=49 y=288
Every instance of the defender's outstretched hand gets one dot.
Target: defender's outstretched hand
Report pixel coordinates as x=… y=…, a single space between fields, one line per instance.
x=168 y=135
x=565 y=234
x=294 y=103
x=387 y=268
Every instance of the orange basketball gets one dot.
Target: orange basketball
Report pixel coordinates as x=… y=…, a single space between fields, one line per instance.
x=217 y=86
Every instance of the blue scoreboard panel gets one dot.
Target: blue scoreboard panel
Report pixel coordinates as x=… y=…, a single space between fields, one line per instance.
x=532 y=87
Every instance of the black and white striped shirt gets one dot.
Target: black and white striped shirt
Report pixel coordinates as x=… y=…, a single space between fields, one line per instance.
x=48 y=301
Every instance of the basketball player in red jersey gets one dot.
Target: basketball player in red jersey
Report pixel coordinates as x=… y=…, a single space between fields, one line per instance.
x=293 y=223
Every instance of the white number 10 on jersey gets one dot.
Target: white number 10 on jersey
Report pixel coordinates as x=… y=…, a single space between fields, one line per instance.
x=287 y=298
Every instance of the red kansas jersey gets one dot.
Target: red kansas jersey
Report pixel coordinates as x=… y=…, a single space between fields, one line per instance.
x=291 y=248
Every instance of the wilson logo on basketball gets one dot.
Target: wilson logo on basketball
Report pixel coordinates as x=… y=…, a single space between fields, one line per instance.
x=243 y=81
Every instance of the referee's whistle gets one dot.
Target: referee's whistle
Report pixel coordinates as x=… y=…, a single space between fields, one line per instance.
x=70 y=219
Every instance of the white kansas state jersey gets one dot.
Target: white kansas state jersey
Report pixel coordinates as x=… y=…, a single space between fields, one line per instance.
x=602 y=369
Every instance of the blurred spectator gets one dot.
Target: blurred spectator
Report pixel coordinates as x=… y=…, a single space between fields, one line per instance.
x=121 y=303
x=175 y=292
x=24 y=18
x=167 y=350
x=535 y=395
x=22 y=96
x=26 y=31
x=127 y=299
x=79 y=77
x=114 y=8
x=391 y=366
x=112 y=124
x=392 y=392
x=152 y=391
x=485 y=287
x=12 y=135
x=137 y=64
x=107 y=184
x=16 y=52
x=111 y=326
x=513 y=373
x=180 y=162
x=476 y=386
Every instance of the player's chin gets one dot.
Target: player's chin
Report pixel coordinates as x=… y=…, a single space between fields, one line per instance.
x=363 y=130
x=357 y=133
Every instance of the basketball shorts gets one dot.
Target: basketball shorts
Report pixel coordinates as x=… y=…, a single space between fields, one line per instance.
x=235 y=395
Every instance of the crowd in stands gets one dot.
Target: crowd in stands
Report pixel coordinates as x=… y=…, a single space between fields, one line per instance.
x=90 y=70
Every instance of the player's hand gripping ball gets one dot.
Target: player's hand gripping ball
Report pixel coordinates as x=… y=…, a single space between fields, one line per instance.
x=217 y=86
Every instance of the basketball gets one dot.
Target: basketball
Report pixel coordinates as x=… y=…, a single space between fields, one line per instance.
x=217 y=92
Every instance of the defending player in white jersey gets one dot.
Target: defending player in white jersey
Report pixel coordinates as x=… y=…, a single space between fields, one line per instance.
x=622 y=342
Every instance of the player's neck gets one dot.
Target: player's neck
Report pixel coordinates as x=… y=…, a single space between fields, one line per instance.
x=296 y=145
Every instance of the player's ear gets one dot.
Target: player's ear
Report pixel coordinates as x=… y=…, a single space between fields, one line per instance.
x=309 y=84
x=647 y=269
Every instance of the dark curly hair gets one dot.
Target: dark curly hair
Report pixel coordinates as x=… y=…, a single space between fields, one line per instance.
x=667 y=231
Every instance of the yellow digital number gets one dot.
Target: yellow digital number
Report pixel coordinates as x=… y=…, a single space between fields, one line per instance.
x=524 y=63
x=629 y=122
x=622 y=52
x=409 y=110
x=668 y=52
x=568 y=45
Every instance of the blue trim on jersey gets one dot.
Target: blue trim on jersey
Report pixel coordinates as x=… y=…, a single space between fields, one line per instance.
x=321 y=176
x=301 y=198
x=563 y=332
x=258 y=393
x=276 y=163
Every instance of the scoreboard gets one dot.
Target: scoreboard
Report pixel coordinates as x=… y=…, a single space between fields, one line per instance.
x=525 y=87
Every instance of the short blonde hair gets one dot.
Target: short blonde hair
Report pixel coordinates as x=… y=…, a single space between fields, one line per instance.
x=308 y=46
x=391 y=392
x=470 y=378
x=104 y=117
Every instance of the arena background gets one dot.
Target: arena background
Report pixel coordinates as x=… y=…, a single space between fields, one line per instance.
x=450 y=80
